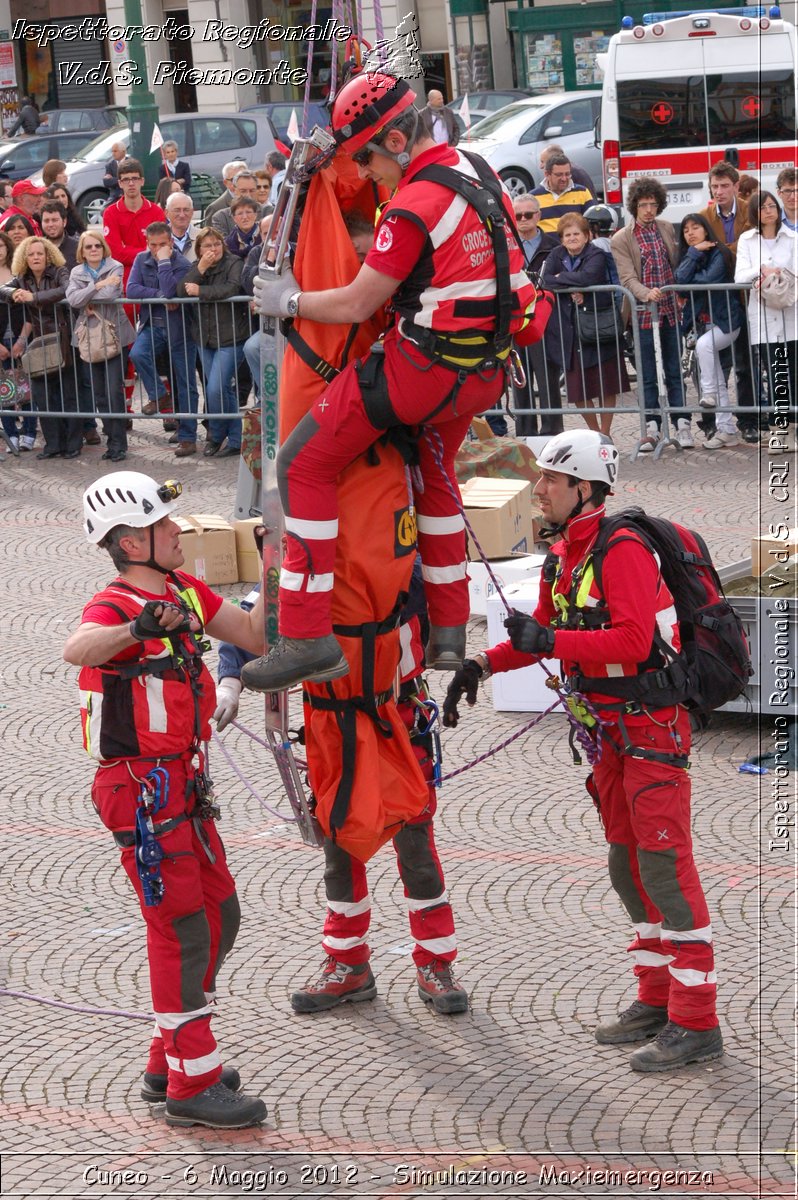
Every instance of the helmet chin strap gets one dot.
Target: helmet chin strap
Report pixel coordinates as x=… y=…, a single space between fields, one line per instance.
x=151 y=560
x=575 y=511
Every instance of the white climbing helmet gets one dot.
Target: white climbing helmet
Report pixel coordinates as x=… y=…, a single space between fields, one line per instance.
x=126 y=498
x=583 y=453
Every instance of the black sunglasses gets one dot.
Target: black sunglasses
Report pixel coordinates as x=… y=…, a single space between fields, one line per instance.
x=526 y=216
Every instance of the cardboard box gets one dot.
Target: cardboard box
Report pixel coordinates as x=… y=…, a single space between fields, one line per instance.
x=506 y=570
x=481 y=428
x=767 y=551
x=209 y=547
x=250 y=566
x=500 y=511
x=523 y=690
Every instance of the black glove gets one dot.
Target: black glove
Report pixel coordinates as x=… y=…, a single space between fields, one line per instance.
x=465 y=682
x=529 y=636
x=148 y=624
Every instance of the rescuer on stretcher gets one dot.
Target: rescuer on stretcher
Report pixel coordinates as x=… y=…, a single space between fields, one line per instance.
x=446 y=253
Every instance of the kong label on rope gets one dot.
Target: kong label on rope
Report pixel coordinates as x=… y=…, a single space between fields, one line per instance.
x=405 y=532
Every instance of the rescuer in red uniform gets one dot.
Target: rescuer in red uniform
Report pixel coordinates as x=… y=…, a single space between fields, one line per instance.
x=640 y=783
x=446 y=255
x=146 y=701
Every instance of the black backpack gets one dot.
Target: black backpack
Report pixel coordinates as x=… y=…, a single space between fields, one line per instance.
x=714 y=664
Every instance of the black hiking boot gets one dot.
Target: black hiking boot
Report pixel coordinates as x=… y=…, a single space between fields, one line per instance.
x=674 y=1046
x=218 y=1108
x=637 y=1023
x=153 y=1087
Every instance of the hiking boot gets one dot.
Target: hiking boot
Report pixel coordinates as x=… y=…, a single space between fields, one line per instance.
x=153 y=1087
x=649 y=442
x=636 y=1023
x=446 y=647
x=338 y=983
x=437 y=986
x=218 y=1108
x=707 y=400
x=295 y=660
x=720 y=441
x=684 y=435
x=92 y=438
x=674 y=1046
x=184 y=449
x=149 y=408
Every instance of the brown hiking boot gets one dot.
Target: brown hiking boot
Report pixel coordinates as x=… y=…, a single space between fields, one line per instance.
x=338 y=983
x=637 y=1023
x=437 y=986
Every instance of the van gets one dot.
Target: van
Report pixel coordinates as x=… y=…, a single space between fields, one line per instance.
x=685 y=90
x=205 y=140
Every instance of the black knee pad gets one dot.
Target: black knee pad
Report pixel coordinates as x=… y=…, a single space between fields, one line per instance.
x=194 y=937
x=623 y=882
x=658 y=873
x=420 y=873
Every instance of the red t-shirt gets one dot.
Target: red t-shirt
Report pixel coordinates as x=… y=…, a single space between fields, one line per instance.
x=98 y=613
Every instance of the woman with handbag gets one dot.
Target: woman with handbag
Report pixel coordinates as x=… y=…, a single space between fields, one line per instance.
x=223 y=330
x=14 y=383
x=715 y=318
x=101 y=331
x=767 y=257
x=584 y=334
x=38 y=285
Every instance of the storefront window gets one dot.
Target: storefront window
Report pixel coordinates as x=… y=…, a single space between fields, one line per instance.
x=586 y=47
x=544 y=70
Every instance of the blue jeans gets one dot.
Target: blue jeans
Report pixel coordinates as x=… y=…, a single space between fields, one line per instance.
x=152 y=341
x=219 y=368
x=252 y=355
x=672 y=369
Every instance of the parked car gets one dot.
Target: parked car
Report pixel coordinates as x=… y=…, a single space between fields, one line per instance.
x=206 y=140
x=21 y=158
x=511 y=140
x=482 y=104
x=280 y=114
x=80 y=120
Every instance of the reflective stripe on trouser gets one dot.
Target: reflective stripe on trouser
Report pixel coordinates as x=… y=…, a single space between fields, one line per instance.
x=332 y=435
x=429 y=911
x=645 y=809
x=188 y=934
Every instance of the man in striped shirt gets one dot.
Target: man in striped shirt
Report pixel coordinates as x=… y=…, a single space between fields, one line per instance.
x=558 y=194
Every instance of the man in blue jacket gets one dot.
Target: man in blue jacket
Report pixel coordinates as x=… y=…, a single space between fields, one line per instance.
x=155 y=274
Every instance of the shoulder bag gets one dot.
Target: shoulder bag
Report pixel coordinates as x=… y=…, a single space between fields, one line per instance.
x=43 y=355
x=97 y=339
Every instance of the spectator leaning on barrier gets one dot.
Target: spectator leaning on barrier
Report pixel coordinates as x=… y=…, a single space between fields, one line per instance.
x=592 y=372
x=619 y=624
x=770 y=248
x=39 y=284
x=542 y=374
x=146 y=703
x=180 y=215
x=94 y=282
x=12 y=344
x=645 y=253
x=164 y=329
x=53 y=219
x=26 y=200
x=229 y=171
x=125 y=221
x=173 y=167
x=787 y=190
x=727 y=216
x=222 y=330
x=579 y=176
x=558 y=194
x=715 y=319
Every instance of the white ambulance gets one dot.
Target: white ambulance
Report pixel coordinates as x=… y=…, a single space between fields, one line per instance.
x=684 y=90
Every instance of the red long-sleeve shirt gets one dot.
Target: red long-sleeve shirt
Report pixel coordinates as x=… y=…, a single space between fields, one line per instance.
x=124 y=230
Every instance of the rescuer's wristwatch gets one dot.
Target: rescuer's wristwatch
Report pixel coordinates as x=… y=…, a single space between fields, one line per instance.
x=292 y=305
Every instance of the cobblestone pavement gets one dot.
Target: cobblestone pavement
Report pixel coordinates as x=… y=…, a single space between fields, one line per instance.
x=385 y=1099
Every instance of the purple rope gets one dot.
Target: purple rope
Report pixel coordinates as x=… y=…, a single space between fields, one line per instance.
x=267 y=807
x=587 y=743
x=78 y=1008
x=501 y=745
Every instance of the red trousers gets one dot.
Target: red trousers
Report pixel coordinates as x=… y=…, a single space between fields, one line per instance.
x=188 y=934
x=645 y=810
x=334 y=432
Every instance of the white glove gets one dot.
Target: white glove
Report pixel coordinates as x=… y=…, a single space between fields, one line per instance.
x=227 y=696
x=272 y=295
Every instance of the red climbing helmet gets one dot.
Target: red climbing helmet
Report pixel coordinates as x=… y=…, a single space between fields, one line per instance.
x=366 y=104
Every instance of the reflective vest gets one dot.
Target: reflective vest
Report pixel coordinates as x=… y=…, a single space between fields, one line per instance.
x=452 y=287
x=157 y=703
x=583 y=606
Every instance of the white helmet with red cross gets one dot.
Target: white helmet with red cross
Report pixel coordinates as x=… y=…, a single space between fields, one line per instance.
x=583 y=453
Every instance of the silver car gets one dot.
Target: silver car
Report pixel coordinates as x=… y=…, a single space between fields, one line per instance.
x=512 y=139
x=205 y=140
